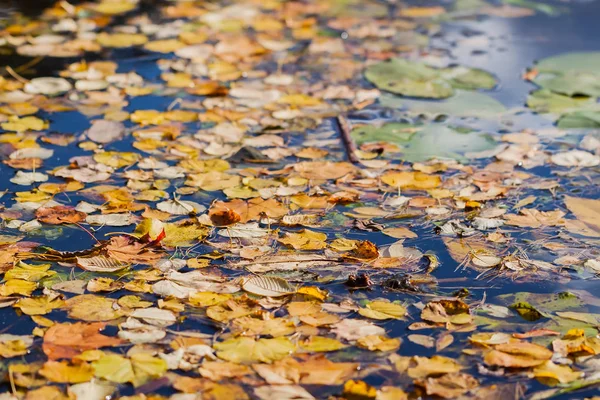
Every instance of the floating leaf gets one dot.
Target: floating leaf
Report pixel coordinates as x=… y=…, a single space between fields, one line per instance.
x=415 y=79
x=62 y=372
x=48 y=86
x=100 y=264
x=69 y=340
x=268 y=286
x=382 y=310
x=248 y=350
x=463 y=103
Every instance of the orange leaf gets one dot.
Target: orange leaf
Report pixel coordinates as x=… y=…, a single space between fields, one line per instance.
x=69 y=340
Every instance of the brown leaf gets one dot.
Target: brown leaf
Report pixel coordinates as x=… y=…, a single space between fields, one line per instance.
x=59 y=215
x=518 y=355
x=448 y=386
x=68 y=340
x=128 y=250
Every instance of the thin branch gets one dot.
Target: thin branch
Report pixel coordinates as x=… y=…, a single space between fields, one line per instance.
x=345 y=130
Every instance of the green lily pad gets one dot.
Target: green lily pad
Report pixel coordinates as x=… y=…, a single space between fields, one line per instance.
x=423 y=142
x=579 y=119
x=546 y=101
x=395 y=132
x=563 y=325
x=414 y=79
x=583 y=62
x=571 y=83
x=468 y=78
x=539 y=6
x=409 y=79
x=527 y=311
x=463 y=104
x=543 y=302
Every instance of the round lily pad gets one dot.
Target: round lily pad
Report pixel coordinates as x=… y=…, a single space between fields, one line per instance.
x=571 y=83
x=409 y=79
x=423 y=142
x=571 y=62
x=464 y=103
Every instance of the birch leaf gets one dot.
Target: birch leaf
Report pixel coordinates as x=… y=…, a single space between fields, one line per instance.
x=268 y=286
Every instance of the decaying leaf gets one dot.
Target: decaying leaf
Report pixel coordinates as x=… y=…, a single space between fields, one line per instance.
x=268 y=286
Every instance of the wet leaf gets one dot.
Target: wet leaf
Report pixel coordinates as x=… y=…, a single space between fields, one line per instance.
x=62 y=372
x=517 y=355
x=248 y=350
x=70 y=340
x=449 y=385
x=268 y=286
x=382 y=310
x=100 y=264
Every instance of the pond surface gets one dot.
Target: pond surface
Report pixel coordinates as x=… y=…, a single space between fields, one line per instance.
x=298 y=200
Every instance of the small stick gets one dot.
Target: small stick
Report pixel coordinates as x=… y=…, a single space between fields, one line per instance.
x=15 y=75
x=347 y=140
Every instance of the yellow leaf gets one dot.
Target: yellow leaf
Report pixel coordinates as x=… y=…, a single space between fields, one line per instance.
x=17 y=286
x=586 y=211
x=314 y=292
x=183 y=235
x=321 y=344
x=247 y=350
x=121 y=40
x=298 y=308
x=19 y=109
x=206 y=299
x=114 y=368
x=305 y=240
x=561 y=373
x=276 y=327
x=117 y=159
x=114 y=7
x=195 y=165
x=62 y=372
x=411 y=180
x=34 y=196
x=421 y=12
x=132 y=91
x=213 y=180
x=38 y=305
x=13 y=348
x=358 y=390
x=382 y=310
x=147 y=117
x=378 y=343
x=46 y=393
x=150 y=228
x=147 y=367
x=422 y=366
x=164 y=46
x=132 y=301
x=89 y=307
x=30 y=123
x=229 y=310
x=299 y=99
x=391 y=393
x=219 y=370
x=181 y=116
x=343 y=244
x=31 y=273
x=518 y=355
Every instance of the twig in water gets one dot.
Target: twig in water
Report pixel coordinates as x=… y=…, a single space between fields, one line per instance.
x=345 y=130
x=12 y=73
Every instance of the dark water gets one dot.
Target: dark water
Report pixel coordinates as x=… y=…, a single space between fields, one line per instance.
x=505 y=47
